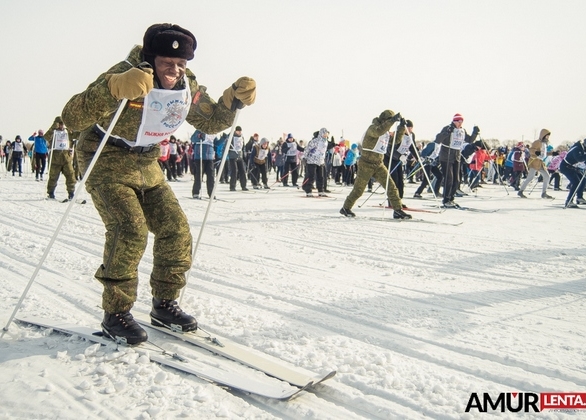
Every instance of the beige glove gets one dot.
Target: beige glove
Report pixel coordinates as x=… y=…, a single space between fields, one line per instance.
x=241 y=93
x=132 y=84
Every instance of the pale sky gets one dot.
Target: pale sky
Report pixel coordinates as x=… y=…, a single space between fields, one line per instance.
x=511 y=67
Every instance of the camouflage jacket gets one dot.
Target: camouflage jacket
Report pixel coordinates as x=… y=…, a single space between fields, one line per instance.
x=96 y=105
x=377 y=129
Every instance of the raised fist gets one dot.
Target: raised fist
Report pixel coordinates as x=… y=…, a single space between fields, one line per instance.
x=132 y=84
x=241 y=93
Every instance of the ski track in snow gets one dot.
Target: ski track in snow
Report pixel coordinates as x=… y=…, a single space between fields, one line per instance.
x=413 y=316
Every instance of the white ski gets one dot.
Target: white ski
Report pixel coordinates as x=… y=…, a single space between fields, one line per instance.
x=233 y=380
x=245 y=355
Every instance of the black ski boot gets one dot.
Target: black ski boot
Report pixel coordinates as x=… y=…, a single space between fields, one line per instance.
x=122 y=327
x=347 y=212
x=400 y=214
x=167 y=313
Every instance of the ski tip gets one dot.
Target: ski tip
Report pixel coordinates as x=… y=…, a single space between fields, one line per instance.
x=325 y=378
x=311 y=384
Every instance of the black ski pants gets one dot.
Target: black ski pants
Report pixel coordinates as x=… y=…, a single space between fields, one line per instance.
x=313 y=173
x=397 y=175
x=258 y=173
x=205 y=167
x=451 y=175
x=291 y=166
x=40 y=163
x=237 y=172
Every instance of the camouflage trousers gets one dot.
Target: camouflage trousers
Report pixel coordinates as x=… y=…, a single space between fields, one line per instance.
x=379 y=171
x=132 y=197
x=128 y=216
x=61 y=163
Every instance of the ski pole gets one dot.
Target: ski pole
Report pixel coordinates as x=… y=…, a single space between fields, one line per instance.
x=51 y=154
x=498 y=175
x=367 y=198
x=305 y=181
x=250 y=173
x=387 y=182
x=67 y=211
x=26 y=171
x=420 y=163
x=415 y=169
x=200 y=167
x=470 y=184
x=210 y=202
x=535 y=184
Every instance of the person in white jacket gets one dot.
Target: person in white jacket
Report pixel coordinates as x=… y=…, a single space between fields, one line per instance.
x=315 y=155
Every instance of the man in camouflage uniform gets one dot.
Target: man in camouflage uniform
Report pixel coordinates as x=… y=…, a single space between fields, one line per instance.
x=374 y=146
x=127 y=185
x=61 y=158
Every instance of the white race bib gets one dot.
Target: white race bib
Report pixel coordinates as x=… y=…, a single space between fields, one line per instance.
x=262 y=154
x=406 y=143
x=457 y=138
x=164 y=111
x=237 y=143
x=292 y=148
x=382 y=143
x=60 y=140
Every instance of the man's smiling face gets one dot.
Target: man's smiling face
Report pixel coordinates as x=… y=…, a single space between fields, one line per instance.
x=169 y=70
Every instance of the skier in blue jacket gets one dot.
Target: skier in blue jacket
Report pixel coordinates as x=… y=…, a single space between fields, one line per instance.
x=203 y=162
x=350 y=160
x=40 y=153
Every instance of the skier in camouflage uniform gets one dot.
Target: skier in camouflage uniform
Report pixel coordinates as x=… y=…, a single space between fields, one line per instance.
x=61 y=158
x=374 y=146
x=127 y=185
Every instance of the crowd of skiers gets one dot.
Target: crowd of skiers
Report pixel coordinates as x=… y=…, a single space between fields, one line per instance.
x=288 y=159
x=515 y=167
x=252 y=162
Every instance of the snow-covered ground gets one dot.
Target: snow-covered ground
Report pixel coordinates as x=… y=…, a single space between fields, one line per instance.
x=414 y=316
